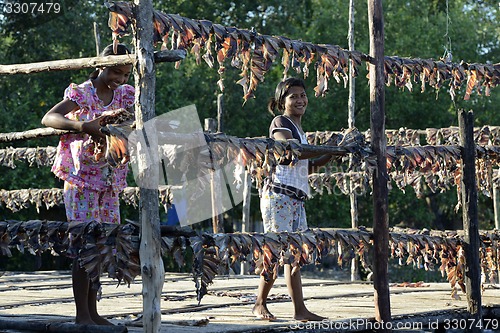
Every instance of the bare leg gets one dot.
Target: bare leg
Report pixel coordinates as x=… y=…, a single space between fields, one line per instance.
x=294 y=284
x=260 y=308
x=93 y=307
x=81 y=294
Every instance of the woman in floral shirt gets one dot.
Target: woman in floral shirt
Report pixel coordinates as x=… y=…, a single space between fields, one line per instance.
x=91 y=187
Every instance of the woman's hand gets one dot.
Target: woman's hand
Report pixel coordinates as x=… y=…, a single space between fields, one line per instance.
x=92 y=128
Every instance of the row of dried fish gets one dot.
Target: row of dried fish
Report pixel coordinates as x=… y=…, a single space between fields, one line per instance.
x=261 y=155
x=114 y=249
x=16 y=200
x=340 y=183
x=39 y=156
x=254 y=54
x=486 y=135
x=214 y=254
x=100 y=247
x=480 y=77
x=438 y=166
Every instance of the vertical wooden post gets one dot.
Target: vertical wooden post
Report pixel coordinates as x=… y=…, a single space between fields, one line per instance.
x=220 y=112
x=215 y=187
x=153 y=273
x=245 y=219
x=97 y=39
x=469 y=215
x=351 y=123
x=496 y=210
x=210 y=125
x=379 y=143
x=496 y=205
x=247 y=187
x=218 y=181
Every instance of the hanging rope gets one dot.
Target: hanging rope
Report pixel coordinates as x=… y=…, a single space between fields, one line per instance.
x=447 y=56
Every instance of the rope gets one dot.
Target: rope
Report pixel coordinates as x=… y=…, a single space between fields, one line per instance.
x=447 y=56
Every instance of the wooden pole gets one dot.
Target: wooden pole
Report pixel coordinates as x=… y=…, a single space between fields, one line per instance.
x=496 y=205
x=245 y=219
x=496 y=210
x=215 y=189
x=97 y=38
x=218 y=181
x=31 y=134
x=469 y=213
x=220 y=112
x=378 y=143
x=75 y=64
x=351 y=122
x=152 y=270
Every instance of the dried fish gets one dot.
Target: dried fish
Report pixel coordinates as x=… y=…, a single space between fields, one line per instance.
x=331 y=60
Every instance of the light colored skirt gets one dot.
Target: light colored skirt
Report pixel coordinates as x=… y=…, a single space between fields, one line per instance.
x=282 y=213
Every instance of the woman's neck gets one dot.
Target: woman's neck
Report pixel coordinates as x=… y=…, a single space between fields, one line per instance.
x=103 y=92
x=99 y=85
x=296 y=119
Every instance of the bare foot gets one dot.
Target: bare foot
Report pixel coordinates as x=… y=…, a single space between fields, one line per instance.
x=84 y=321
x=101 y=321
x=308 y=316
x=261 y=312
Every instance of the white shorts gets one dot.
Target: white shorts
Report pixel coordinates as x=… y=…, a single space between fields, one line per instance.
x=282 y=213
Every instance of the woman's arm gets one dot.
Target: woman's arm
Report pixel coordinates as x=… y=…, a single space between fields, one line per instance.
x=55 y=118
x=322 y=159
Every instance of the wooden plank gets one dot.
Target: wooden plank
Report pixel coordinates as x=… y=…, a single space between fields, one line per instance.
x=93 y=62
x=471 y=241
x=340 y=301
x=379 y=142
x=152 y=269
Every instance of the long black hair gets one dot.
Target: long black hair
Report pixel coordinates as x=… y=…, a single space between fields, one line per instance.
x=278 y=101
x=108 y=50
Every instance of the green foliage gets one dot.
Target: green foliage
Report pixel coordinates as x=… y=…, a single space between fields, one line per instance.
x=419 y=28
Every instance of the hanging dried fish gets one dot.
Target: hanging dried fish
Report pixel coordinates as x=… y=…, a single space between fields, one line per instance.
x=205 y=263
x=254 y=54
x=113 y=249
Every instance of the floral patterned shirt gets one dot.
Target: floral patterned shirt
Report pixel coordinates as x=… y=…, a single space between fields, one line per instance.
x=75 y=162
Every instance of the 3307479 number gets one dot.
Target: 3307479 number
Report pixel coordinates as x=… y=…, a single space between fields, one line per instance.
x=467 y=324
x=30 y=7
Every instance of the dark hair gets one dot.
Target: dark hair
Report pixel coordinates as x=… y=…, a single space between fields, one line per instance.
x=278 y=101
x=121 y=49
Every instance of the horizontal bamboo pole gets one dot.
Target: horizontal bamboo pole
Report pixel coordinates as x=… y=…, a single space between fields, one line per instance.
x=73 y=64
